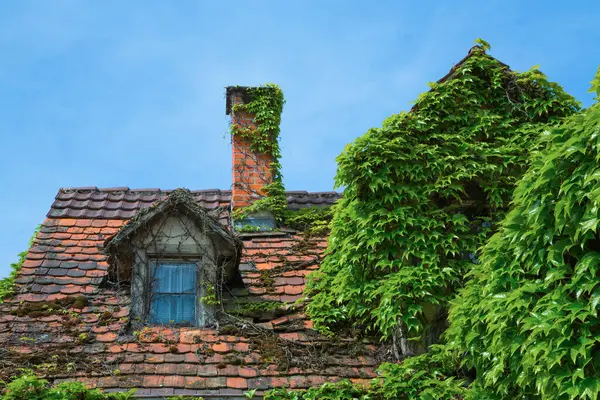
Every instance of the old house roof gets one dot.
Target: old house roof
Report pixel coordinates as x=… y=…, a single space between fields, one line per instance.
x=66 y=308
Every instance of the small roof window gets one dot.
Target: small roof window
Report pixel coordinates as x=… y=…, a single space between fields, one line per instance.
x=262 y=221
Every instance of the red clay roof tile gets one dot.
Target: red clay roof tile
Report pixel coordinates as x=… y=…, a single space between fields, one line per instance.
x=67 y=259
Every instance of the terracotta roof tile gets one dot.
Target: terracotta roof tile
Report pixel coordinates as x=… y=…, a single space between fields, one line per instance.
x=67 y=261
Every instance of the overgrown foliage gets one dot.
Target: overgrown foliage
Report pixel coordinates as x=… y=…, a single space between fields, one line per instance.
x=311 y=220
x=344 y=390
x=423 y=377
x=30 y=387
x=7 y=285
x=528 y=320
x=422 y=193
x=266 y=104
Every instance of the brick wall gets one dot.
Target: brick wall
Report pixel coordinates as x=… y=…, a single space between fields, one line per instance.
x=250 y=171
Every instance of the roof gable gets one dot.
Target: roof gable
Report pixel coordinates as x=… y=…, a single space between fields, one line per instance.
x=180 y=201
x=475 y=50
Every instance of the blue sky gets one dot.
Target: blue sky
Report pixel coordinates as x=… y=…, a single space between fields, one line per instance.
x=131 y=93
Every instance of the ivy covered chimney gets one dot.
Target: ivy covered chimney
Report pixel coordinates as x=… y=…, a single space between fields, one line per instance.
x=256 y=177
x=251 y=168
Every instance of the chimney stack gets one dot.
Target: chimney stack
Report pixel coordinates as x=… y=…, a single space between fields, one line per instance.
x=251 y=169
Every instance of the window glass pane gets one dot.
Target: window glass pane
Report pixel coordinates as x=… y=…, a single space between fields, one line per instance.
x=174 y=293
x=175 y=278
x=173 y=309
x=259 y=222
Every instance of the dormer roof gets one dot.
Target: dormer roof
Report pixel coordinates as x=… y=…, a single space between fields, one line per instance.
x=181 y=202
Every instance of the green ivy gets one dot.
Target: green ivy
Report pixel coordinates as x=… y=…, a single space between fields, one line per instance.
x=344 y=390
x=30 y=387
x=529 y=319
x=7 y=285
x=266 y=105
x=312 y=220
x=426 y=377
x=422 y=194
x=249 y=228
x=209 y=295
x=257 y=307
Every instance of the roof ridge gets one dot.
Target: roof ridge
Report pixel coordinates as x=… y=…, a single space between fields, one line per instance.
x=95 y=189
x=472 y=51
x=91 y=202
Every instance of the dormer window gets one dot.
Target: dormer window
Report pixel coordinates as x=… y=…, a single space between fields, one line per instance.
x=175 y=293
x=175 y=256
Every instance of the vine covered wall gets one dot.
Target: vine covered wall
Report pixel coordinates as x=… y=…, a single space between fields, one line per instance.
x=526 y=324
x=422 y=193
x=528 y=319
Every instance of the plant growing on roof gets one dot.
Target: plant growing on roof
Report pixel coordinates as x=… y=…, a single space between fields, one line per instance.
x=528 y=320
x=266 y=104
x=312 y=220
x=7 y=285
x=422 y=377
x=209 y=297
x=422 y=193
x=30 y=387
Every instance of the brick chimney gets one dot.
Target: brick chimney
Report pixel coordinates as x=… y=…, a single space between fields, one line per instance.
x=251 y=170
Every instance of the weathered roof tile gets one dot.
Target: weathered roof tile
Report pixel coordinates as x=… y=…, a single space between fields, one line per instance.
x=123 y=203
x=67 y=261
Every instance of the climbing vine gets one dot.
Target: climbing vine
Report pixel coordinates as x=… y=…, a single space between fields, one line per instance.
x=528 y=320
x=7 y=285
x=265 y=105
x=429 y=377
x=422 y=193
x=311 y=220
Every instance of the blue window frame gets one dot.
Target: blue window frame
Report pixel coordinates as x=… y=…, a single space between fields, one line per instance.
x=174 y=293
